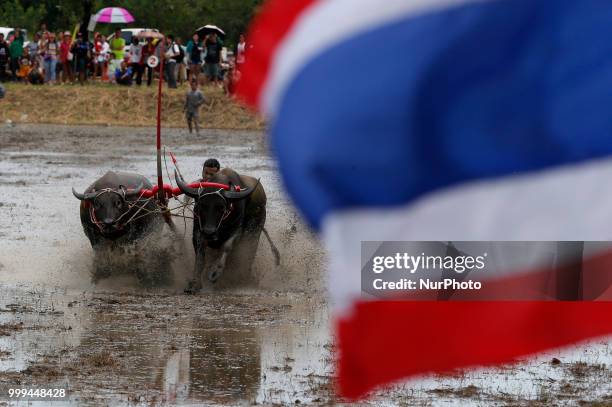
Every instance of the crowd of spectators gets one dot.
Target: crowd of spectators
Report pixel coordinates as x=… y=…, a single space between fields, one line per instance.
x=67 y=58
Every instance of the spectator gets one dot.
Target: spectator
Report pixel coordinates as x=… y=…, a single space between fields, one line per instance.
x=102 y=56
x=172 y=53
x=82 y=53
x=58 y=65
x=231 y=80
x=213 y=46
x=117 y=47
x=123 y=74
x=240 y=52
x=4 y=57
x=24 y=66
x=51 y=50
x=194 y=55
x=35 y=76
x=135 y=56
x=193 y=100
x=43 y=30
x=16 y=51
x=66 y=57
x=95 y=54
x=180 y=61
x=148 y=50
x=33 y=48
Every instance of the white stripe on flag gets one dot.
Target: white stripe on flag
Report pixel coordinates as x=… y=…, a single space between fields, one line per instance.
x=328 y=23
x=565 y=203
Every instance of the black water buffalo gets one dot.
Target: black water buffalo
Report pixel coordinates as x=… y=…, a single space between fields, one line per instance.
x=223 y=217
x=111 y=211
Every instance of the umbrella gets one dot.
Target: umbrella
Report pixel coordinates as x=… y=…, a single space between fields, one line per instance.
x=209 y=28
x=114 y=15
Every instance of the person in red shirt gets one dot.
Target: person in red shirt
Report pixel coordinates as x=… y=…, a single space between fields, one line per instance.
x=148 y=50
x=66 y=58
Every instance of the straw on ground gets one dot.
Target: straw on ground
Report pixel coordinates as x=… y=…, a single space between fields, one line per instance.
x=102 y=104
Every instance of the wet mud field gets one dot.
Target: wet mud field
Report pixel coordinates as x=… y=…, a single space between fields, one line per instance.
x=262 y=338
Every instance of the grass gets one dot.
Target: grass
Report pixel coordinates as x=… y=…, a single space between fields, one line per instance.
x=106 y=104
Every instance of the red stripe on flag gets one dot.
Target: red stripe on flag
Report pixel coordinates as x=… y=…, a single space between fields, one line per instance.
x=384 y=341
x=266 y=33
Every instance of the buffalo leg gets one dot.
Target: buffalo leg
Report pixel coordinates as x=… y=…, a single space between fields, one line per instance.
x=218 y=267
x=195 y=284
x=253 y=227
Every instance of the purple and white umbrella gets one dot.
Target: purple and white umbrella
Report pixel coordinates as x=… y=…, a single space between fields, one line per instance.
x=114 y=15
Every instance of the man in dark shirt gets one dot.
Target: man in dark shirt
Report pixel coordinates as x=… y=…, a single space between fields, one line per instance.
x=82 y=51
x=4 y=56
x=213 y=46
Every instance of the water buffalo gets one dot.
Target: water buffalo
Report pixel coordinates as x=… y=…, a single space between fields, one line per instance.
x=115 y=218
x=112 y=212
x=228 y=209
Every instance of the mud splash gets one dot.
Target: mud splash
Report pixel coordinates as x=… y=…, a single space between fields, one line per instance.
x=247 y=340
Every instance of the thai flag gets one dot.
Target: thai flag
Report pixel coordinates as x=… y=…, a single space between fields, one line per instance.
x=442 y=120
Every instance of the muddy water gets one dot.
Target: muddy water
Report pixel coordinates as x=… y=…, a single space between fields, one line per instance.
x=263 y=339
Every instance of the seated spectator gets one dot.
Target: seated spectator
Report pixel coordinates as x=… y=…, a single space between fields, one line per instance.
x=123 y=74
x=24 y=67
x=36 y=77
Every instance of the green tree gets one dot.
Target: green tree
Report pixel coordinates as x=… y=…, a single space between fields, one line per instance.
x=14 y=14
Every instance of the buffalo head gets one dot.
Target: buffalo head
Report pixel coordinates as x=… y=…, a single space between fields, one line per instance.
x=108 y=207
x=212 y=206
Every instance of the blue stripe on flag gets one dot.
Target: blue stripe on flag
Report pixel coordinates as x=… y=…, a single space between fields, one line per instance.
x=483 y=90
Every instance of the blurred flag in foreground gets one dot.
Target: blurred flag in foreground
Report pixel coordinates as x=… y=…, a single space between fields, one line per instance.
x=443 y=120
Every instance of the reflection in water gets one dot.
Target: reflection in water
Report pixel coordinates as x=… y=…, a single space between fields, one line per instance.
x=176 y=377
x=227 y=348
x=225 y=364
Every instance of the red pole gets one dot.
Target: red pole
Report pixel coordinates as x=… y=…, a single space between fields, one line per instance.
x=160 y=181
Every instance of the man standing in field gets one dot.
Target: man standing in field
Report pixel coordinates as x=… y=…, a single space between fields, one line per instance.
x=193 y=100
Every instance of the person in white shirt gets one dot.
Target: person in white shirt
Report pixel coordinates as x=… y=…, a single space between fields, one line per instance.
x=101 y=57
x=135 y=56
x=240 y=52
x=171 y=56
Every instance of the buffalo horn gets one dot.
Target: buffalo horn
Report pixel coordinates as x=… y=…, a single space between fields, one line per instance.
x=187 y=190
